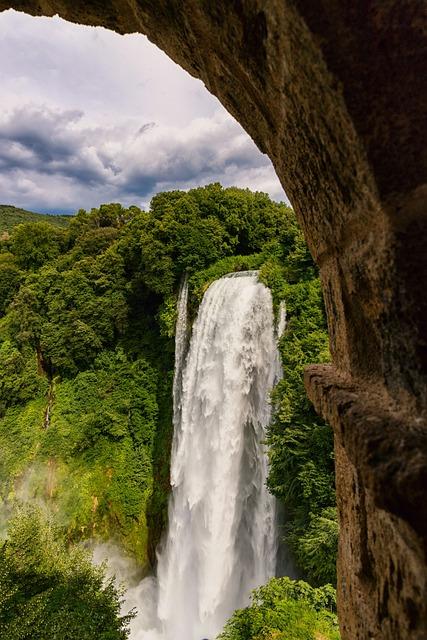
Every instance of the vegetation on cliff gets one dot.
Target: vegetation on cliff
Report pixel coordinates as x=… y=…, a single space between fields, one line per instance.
x=300 y=442
x=87 y=316
x=285 y=609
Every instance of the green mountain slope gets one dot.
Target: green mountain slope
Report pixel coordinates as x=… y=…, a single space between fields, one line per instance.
x=87 y=316
x=11 y=216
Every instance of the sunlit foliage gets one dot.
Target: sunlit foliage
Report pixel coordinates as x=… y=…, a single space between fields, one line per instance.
x=285 y=609
x=86 y=368
x=49 y=590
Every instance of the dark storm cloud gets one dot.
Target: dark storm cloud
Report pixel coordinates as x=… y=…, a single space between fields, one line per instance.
x=47 y=142
x=41 y=132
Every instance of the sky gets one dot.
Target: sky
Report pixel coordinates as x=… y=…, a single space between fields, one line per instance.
x=89 y=116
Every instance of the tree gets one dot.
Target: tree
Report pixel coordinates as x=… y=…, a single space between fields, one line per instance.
x=19 y=380
x=10 y=278
x=318 y=547
x=50 y=591
x=35 y=243
x=69 y=315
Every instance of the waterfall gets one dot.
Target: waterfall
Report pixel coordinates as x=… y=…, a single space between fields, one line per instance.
x=180 y=349
x=222 y=540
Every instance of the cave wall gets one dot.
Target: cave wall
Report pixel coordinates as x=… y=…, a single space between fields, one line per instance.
x=334 y=92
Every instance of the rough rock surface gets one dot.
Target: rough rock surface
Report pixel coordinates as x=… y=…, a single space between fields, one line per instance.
x=334 y=91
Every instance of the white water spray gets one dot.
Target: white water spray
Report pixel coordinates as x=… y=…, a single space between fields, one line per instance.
x=222 y=540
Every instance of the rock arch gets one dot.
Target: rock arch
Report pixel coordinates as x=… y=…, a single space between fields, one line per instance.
x=334 y=92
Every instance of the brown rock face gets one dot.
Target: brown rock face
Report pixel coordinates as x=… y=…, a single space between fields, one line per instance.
x=334 y=91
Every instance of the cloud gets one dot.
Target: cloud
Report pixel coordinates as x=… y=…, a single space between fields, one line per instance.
x=57 y=156
x=91 y=116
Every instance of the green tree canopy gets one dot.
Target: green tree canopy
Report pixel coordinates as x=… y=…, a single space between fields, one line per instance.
x=48 y=590
x=87 y=339
x=10 y=278
x=34 y=243
x=286 y=609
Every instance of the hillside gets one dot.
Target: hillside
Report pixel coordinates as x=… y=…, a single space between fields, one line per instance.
x=87 y=322
x=86 y=338
x=11 y=216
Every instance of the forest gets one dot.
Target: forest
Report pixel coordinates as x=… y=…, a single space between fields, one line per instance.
x=87 y=321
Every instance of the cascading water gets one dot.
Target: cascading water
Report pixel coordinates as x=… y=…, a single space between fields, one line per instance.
x=180 y=348
x=222 y=538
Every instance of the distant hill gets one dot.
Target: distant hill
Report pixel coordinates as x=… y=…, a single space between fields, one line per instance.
x=11 y=216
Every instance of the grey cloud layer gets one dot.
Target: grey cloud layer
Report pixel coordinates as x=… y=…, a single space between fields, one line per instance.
x=128 y=162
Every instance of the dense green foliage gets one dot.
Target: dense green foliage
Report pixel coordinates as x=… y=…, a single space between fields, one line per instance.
x=87 y=345
x=300 y=443
x=11 y=216
x=10 y=278
x=48 y=590
x=285 y=609
x=87 y=320
x=85 y=381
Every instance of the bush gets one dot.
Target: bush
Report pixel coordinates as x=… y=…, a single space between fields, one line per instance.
x=285 y=609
